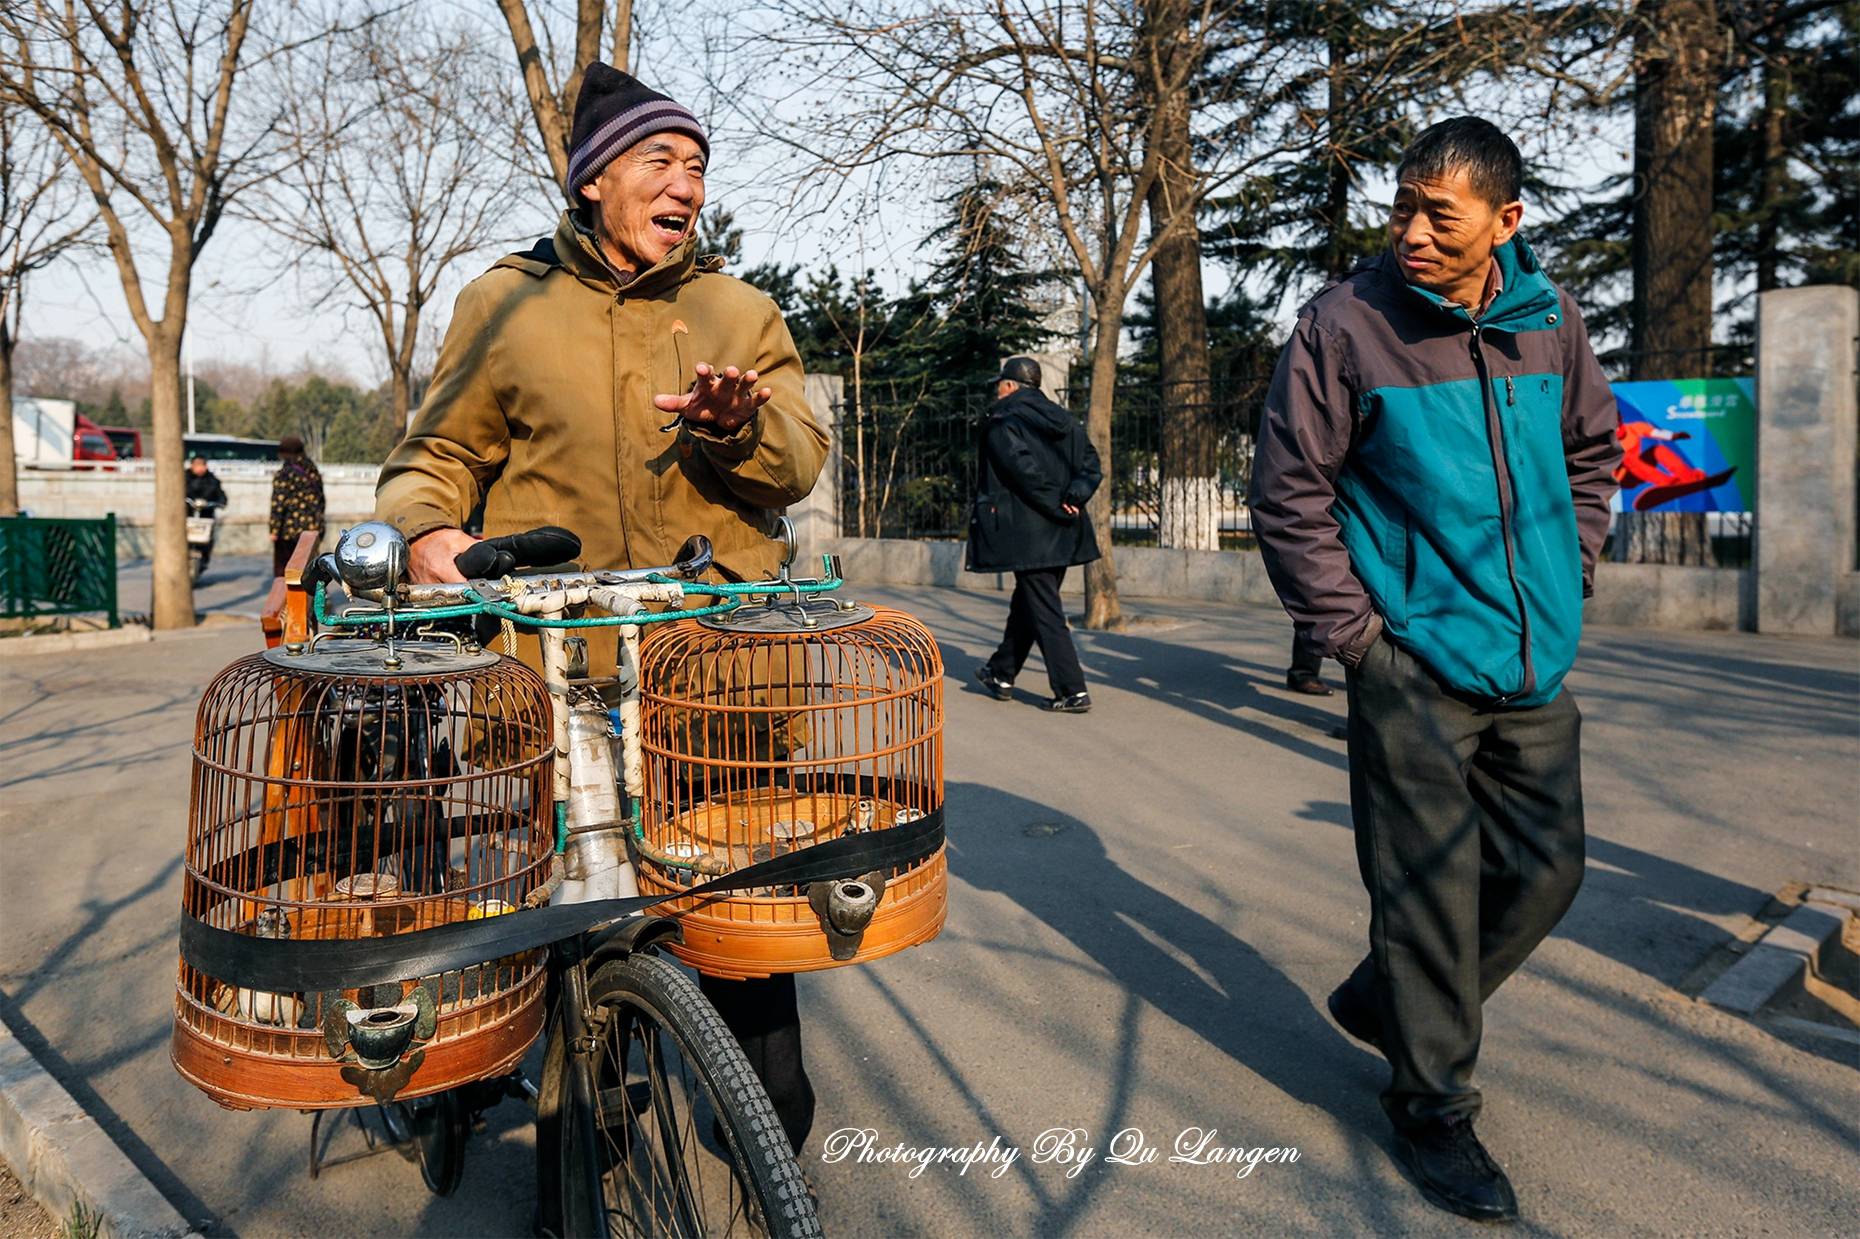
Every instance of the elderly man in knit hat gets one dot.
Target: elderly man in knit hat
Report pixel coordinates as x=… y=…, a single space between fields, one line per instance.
x=611 y=381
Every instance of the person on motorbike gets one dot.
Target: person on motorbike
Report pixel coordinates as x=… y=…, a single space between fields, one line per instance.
x=203 y=485
x=205 y=497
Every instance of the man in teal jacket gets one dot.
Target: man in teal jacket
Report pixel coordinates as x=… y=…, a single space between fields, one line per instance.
x=1430 y=492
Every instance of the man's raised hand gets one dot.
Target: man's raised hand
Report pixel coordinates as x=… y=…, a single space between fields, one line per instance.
x=720 y=401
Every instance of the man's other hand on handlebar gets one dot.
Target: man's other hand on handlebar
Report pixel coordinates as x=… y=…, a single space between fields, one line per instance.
x=432 y=555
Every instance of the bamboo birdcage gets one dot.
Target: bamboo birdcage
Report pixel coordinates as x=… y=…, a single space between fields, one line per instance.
x=761 y=738
x=348 y=791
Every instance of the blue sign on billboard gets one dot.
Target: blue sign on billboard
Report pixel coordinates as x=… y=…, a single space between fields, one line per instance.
x=1688 y=445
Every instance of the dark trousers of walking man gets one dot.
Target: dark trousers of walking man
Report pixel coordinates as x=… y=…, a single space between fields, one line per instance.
x=1037 y=617
x=766 y=1018
x=1470 y=841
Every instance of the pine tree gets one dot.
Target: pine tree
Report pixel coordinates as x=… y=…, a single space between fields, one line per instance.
x=1785 y=182
x=1301 y=221
x=981 y=290
x=1787 y=185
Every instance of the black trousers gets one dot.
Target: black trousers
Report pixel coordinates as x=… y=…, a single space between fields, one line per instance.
x=1035 y=615
x=767 y=1024
x=1307 y=658
x=1469 y=836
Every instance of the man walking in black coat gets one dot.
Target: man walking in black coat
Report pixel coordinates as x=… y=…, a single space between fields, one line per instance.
x=1037 y=471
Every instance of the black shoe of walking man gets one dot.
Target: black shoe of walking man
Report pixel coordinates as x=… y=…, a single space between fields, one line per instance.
x=1455 y=1172
x=994 y=685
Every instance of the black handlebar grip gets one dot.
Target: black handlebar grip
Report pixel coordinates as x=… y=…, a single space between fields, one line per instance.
x=538 y=548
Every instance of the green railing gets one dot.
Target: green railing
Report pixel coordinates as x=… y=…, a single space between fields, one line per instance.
x=55 y=566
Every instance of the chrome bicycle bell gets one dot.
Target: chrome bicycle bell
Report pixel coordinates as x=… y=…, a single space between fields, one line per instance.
x=371 y=559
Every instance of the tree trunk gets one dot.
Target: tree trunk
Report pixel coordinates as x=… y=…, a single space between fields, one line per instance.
x=1102 y=609
x=1775 y=154
x=400 y=396
x=173 y=602
x=623 y=35
x=1675 y=92
x=9 y=462
x=1191 y=488
x=1337 y=182
x=1675 y=89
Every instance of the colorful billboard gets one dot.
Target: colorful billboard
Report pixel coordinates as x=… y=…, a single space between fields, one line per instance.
x=1688 y=445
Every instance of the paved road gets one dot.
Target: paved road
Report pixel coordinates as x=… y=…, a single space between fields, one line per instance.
x=1148 y=904
x=231 y=585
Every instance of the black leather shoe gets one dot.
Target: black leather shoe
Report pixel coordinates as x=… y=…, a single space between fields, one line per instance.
x=1310 y=688
x=1071 y=703
x=999 y=689
x=1353 y=1018
x=1455 y=1172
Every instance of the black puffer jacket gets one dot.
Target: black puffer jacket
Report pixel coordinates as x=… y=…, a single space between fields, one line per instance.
x=1035 y=458
x=206 y=486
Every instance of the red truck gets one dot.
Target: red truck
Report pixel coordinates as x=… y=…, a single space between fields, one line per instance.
x=90 y=444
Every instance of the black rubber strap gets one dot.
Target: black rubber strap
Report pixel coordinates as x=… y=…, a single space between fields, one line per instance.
x=286 y=965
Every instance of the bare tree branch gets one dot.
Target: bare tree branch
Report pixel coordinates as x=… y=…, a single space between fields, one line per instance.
x=143 y=97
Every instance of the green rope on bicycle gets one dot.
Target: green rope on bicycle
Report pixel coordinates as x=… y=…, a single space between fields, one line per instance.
x=499 y=611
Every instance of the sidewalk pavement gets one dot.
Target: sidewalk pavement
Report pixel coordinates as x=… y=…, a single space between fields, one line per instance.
x=1148 y=904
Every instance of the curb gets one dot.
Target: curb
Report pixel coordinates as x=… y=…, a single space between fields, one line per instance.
x=64 y=1158
x=63 y=642
x=214 y=623
x=1779 y=959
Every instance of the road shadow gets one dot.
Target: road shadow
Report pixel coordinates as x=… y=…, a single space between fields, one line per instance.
x=1219 y=687
x=1170 y=957
x=75 y=1082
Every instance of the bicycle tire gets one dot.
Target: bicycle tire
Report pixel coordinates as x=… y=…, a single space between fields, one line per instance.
x=442 y=1125
x=633 y=1003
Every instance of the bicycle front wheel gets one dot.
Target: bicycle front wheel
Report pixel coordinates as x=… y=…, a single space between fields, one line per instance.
x=660 y=1106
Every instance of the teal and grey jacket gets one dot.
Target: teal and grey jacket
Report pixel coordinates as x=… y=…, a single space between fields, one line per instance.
x=1439 y=477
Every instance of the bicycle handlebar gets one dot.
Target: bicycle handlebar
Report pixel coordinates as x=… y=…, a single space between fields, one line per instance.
x=693 y=561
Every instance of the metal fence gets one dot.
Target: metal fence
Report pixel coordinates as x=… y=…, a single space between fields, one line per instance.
x=1178 y=473
x=57 y=566
x=1181 y=459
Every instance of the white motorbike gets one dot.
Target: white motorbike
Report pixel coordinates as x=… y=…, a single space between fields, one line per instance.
x=203 y=523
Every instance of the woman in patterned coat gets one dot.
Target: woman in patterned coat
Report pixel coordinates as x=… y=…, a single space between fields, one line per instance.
x=296 y=501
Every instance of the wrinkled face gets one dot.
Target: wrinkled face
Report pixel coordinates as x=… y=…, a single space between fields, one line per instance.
x=647 y=200
x=1443 y=232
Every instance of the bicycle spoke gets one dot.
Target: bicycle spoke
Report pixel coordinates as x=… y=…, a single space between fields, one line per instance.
x=673 y=1145
x=652 y=1098
x=647 y=1110
x=647 y=1206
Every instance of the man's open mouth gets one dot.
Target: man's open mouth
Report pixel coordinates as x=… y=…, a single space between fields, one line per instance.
x=671 y=226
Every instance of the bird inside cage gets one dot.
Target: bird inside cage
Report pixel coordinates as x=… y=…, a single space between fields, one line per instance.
x=392 y=737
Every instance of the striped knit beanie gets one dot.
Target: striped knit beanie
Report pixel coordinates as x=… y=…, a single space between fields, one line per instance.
x=612 y=112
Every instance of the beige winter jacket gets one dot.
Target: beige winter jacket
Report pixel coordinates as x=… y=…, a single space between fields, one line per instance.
x=541 y=405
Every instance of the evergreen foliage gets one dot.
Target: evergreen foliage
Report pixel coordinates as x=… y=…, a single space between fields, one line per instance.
x=981 y=290
x=1798 y=226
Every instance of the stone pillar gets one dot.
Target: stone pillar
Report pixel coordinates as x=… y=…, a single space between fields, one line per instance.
x=1805 y=456
x=817 y=517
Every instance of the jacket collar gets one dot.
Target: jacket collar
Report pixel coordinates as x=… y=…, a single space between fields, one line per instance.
x=1527 y=300
x=580 y=255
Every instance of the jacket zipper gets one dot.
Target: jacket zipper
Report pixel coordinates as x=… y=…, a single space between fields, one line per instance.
x=1495 y=434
